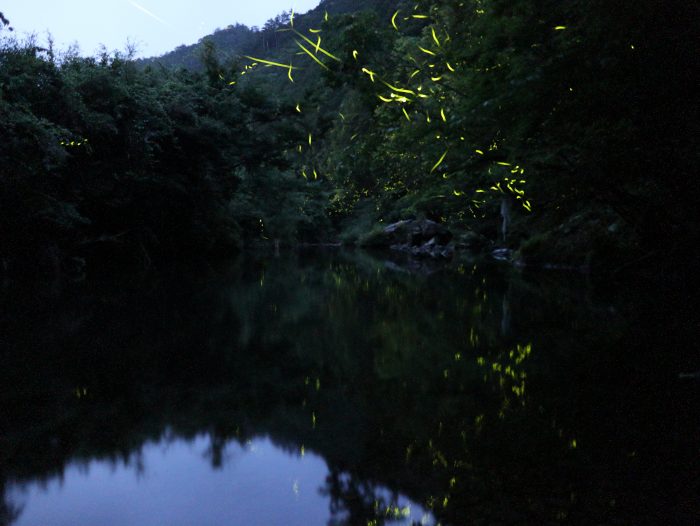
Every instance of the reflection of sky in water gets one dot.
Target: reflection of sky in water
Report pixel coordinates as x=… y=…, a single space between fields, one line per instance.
x=258 y=484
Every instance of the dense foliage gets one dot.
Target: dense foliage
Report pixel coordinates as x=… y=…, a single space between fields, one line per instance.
x=571 y=123
x=100 y=158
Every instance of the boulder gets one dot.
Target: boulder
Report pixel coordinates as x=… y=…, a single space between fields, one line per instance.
x=502 y=254
x=420 y=238
x=416 y=232
x=472 y=241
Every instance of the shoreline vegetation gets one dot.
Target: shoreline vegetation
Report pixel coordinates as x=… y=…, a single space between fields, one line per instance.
x=547 y=135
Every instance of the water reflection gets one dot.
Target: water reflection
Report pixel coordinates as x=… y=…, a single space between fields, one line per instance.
x=172 y=484
x=471 y=392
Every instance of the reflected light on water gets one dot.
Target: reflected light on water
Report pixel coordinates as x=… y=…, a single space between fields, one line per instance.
x=173 y=483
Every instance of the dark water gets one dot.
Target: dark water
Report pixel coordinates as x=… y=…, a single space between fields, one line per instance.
x=337 y=389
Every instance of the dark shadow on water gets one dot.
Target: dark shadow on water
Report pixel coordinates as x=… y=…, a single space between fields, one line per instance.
x=487 y=396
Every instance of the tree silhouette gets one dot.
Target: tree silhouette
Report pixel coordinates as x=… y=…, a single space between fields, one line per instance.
x=5 y=22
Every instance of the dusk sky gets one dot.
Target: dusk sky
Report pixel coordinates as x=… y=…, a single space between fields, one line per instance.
x=155 y=26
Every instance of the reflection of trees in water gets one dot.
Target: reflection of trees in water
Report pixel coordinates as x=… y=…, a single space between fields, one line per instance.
x=462 y=390
x=356 y=501
x=9 y=512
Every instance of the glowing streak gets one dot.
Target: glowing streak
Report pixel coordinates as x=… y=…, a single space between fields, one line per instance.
x=420 y=16
x=315 y=30
x=325 y=16
x=310 y=54
x=291 y=19
x=435 y=38
x=442 y=114
x=269 y=62
x=152 y=15
x=406 y=114
x=316 y=45
x=479 y=152
x=393 y=21
x=450 y=67
x=426 y=51
x=442 y=158
x=298 y=108
x=354 y=54
x=399 y=90
x=385 y=99
x=414 y=73
x=370 y=73
x=559 y=28
x=309 y=139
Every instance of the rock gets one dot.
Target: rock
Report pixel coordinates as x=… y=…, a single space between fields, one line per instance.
x=471 y=240
x=432 y=249
x=421 y=238
x=502 y=254
x=416 y=232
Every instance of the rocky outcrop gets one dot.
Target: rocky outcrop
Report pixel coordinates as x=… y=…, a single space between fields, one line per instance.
x=418 y=237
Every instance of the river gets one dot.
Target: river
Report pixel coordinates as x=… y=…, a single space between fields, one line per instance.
x=339 y=388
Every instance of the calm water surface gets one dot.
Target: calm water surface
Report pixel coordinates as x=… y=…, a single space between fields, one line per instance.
x=171 y=482
x=344 y=389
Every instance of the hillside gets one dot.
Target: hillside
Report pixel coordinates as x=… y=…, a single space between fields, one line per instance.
x=235 y=40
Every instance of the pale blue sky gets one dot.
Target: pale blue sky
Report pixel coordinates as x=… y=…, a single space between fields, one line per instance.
x=156 y=26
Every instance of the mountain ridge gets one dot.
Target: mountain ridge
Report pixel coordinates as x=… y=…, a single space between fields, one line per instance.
x=238 y=39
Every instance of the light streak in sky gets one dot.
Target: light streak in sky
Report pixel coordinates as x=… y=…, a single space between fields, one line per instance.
x=146 y=11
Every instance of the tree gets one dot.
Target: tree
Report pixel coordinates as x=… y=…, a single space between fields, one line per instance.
x=5 y=23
